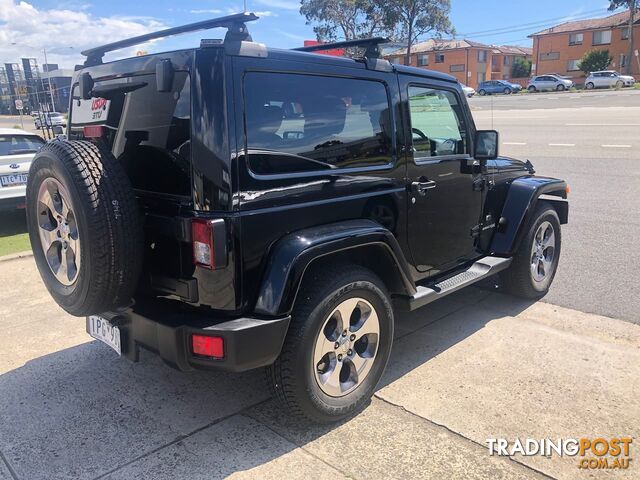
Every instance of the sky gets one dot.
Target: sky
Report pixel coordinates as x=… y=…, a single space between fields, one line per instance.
x=66 y=27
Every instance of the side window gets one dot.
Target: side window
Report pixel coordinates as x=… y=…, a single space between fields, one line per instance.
x=298 y=123
x=437 y=123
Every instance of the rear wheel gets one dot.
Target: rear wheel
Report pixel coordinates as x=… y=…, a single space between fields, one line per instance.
x=536 y=260
x=531 y=89
x=482 y=92
x=589 y=86
x=337 y=347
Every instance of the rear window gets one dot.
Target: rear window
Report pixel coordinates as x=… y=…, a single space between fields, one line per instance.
x=147 y=130
x=19 y=144
x=299 y=123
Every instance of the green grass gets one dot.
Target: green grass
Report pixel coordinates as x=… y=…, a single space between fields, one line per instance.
x=13 y=233
x=636 y=85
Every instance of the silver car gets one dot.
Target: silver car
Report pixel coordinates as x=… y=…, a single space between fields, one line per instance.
x=540 y=83
x=49 y=119
x=608 y=79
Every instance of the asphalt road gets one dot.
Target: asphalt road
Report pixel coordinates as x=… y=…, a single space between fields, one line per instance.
x=593 y=141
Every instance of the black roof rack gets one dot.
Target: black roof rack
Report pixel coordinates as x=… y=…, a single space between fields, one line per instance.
x=371 y=45
x=235 y=23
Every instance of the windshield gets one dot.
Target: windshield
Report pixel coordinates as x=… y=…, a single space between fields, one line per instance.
x=17 y=144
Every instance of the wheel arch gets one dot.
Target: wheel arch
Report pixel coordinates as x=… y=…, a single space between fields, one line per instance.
x=362 y=242
x=520 y=204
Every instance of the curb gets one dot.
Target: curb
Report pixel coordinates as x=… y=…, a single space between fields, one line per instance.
x=15 y=256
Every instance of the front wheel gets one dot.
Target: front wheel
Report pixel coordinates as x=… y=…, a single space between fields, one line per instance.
x=560 y=88
x=619 y=84
x=482 y=92
x=507 y=91
x=337 y=347
x=536 y=260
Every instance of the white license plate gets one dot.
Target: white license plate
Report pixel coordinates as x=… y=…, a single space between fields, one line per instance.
x=13 y=180
x=101 y=329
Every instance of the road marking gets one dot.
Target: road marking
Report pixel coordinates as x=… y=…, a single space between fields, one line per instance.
x=603 y=124
x=513 y=143
x=562 y=144
x=615 y=146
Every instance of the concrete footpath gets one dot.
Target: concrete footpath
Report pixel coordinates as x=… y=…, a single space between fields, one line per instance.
x=472 y=366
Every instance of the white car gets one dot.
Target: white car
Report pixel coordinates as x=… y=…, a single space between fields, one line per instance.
x=49 y=119
x=608 y=79
x=468 y=91
x=17 y=149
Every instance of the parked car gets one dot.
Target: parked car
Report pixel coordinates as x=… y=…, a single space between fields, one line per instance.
x=498 y=86
x=608 y=79
x=49 y=119
x=17 y=149
x=468 y=91
x=541 y=83
x=321 y=195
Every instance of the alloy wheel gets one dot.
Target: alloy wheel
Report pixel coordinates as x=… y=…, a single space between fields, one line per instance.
x=58 y=231
x=346 y=347
x=543 y=252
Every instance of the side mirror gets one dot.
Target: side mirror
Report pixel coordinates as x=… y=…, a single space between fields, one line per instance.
x=486 y=145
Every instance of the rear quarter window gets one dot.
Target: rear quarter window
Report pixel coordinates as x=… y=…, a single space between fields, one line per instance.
x=302 y=123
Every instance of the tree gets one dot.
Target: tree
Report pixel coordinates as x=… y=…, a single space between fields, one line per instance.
x=595 y=60
x=416 y=18
x=346 y=19
x=521 y=68
x=633 y=6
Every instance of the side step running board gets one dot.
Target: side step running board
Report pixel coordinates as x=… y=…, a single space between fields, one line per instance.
x=426 y=294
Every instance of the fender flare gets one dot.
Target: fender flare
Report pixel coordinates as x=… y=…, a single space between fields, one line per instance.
x=291 y=256
x=519 y=206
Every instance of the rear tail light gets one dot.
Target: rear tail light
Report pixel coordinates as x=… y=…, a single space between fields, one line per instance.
x=206 y=346
x=94 y=131
x=203 y=242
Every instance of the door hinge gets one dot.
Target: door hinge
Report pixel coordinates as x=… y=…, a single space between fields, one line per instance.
x=479 y=185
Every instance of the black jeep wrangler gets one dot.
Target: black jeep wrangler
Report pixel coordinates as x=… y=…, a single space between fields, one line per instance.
x=234 y=206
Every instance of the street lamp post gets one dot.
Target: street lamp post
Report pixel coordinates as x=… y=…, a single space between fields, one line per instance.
x=53 y=104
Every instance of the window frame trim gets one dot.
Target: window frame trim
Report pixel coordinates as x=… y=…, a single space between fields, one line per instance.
x=317 y=173
x=435 y=158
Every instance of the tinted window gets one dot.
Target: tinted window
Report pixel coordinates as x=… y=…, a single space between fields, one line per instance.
x=17 y=144
x=298 y=123
x=147 y=130
x=436 y=123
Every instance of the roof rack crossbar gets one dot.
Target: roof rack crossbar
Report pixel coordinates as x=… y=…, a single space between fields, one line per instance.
x=232 y=22
x=371 y=45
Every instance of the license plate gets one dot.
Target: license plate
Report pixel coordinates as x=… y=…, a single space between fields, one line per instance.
x=13 y=180
x=101 y=329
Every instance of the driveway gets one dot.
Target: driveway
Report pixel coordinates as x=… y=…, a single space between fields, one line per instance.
x=473 y=366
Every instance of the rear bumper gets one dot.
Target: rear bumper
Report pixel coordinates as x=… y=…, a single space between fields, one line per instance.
x=248 y=342
x=12 y=203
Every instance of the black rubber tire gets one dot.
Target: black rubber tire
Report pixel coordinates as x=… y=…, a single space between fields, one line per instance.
x=589 y=86
x=560 y=88
x=507 y=91
x=291 y=377
x=109 y=226
x=482 y=92
x=532 y=89
x=517 y=279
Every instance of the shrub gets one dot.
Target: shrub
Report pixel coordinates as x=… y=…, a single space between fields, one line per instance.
x=521 y=68
x=595 y=60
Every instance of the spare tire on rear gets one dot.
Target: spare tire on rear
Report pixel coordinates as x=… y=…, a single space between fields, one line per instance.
x=84 y=226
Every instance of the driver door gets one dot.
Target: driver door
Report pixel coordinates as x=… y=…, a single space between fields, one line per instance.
x=445 y=183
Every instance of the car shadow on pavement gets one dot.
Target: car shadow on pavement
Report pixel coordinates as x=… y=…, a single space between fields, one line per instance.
x=82 y=412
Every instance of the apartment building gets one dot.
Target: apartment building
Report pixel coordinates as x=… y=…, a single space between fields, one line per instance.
x=558 y=49
x=470 y=62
